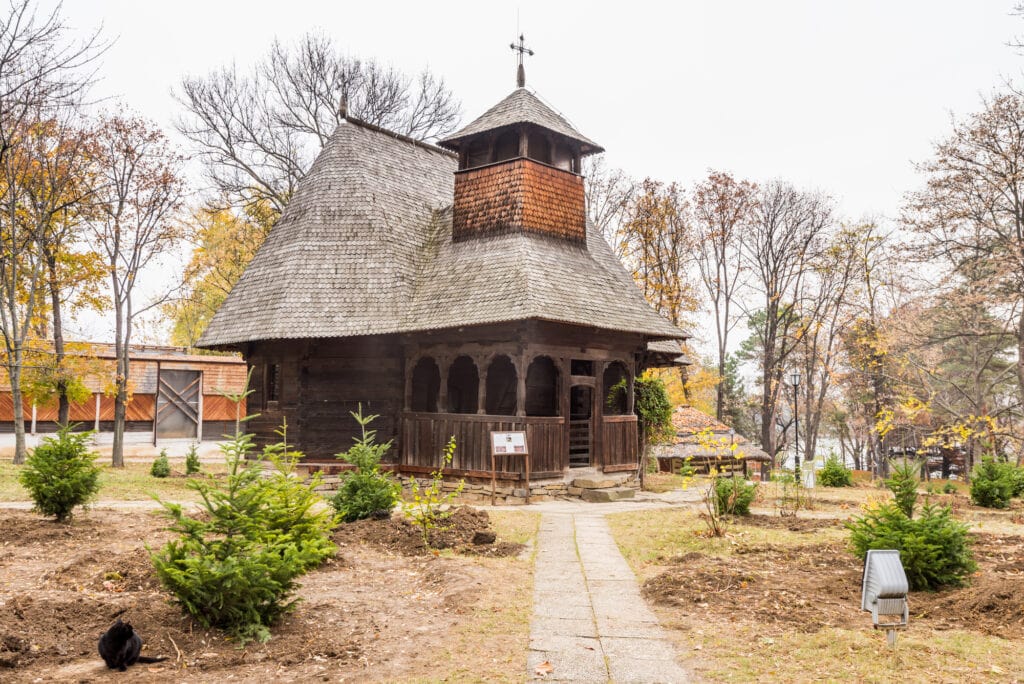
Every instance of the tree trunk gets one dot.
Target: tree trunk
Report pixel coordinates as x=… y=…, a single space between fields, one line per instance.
x=63 y=406
x=14 y=371
x=121 y=384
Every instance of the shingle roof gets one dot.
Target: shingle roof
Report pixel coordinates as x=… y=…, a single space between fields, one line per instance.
x=364 y=247
x=521 y=106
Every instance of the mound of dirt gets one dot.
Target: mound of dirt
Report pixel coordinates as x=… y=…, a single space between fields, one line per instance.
x=804 y=587
x=811 y=586
x=791 y=523
x=467 y=531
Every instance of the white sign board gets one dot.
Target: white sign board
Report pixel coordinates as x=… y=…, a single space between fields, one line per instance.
x=503 y=443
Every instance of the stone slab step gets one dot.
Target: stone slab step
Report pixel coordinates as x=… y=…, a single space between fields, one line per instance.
x=598 y=482
x=607 y=494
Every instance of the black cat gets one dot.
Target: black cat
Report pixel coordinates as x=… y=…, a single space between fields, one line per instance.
x=120 y=647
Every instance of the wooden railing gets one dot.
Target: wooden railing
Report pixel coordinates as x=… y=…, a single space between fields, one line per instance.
x=424 y=436
x=618 y=443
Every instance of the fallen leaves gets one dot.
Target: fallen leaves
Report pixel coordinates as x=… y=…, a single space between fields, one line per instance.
x=544 y=669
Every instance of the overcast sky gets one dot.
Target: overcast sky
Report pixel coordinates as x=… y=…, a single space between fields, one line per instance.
x=838 y=96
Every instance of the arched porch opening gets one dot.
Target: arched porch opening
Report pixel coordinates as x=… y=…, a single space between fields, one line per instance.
x=616 y=387
x=463 y=386
x=501 y=387
x=426 y=385
x=542 y=387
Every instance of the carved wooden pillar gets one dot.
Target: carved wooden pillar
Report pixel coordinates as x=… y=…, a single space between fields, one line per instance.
x=409 y=367
x=564 y=406
x=599 y=457
x=630 y=384
x=481 y=389
x=443 y=364
x=520 y=365
x=524 y=142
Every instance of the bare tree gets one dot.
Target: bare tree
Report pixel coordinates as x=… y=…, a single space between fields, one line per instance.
x=973 y=205
x=608 y=193
x=259 y=131
x=779 y=248
x=723 y=207
x=830 y=287
x=139 y=197
x=40 y=72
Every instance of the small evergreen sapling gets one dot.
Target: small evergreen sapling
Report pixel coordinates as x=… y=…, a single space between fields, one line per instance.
x=192 y=459
x=906 y=475
x=161 y=466
x=993 y=483
x=61 y=474
x=236 y=566
x=934 y=548
x=835 y=473
x=368 y=489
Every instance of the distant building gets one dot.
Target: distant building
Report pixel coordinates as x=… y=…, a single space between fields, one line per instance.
x=686 y=447
x=174 y=396
x=453 y=290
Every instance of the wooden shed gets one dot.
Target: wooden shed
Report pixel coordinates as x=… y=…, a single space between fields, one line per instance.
x=453 y=290
x=175 y=395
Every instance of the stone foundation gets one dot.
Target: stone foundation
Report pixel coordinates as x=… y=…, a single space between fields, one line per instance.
x=590 y=488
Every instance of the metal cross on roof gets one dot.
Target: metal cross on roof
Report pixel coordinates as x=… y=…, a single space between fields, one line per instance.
x=522 y=50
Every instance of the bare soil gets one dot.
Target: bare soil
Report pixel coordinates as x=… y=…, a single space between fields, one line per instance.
x=383 y=609
x=813 y=586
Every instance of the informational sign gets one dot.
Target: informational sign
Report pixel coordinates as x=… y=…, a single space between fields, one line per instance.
x=505 y=443
x=509 y=444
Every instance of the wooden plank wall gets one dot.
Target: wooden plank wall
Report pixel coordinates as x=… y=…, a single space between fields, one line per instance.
x=321 y=382
x=425 y=435
x=618 y=442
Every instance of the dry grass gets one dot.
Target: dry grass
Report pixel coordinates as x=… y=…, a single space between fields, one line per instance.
x=741 y=654
x=647 y=537
x=726 y=644
x=131 y=483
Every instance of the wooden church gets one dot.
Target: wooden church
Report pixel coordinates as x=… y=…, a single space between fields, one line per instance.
x=456 y=290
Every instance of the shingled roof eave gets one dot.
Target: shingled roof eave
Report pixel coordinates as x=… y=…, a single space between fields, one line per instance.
x=234 y=343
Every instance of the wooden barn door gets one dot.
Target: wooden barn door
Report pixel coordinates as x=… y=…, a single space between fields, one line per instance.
x=177 y=404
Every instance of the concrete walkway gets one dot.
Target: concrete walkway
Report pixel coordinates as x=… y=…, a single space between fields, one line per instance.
x=589 y=620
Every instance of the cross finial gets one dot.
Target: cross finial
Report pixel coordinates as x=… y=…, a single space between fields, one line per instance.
x=522 y=50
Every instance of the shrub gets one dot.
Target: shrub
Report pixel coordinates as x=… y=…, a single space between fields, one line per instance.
x=733 y=495
x=992 y=484
x=430 y=506
x=906 y=475
x=61 y=474
x=235 y=566
x=161 y=466
x=192 y=459
x=1016 y=475
x=367 y=490
x=934 y=548
x=949 y=488
x=835 y=473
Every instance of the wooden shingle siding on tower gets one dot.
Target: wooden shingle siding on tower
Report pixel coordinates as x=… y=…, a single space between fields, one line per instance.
x=521 y=196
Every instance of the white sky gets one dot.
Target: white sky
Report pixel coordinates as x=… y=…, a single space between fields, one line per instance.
x=838 y=96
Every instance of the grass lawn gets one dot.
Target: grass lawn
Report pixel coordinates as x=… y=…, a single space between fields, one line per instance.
x=131 y=483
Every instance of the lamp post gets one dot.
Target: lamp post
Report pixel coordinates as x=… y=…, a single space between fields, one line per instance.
x=794 y=379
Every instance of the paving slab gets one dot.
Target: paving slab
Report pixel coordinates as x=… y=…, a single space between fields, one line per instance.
x=589 y=619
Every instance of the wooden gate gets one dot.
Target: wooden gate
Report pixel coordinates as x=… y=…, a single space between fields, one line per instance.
x=177 y=404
